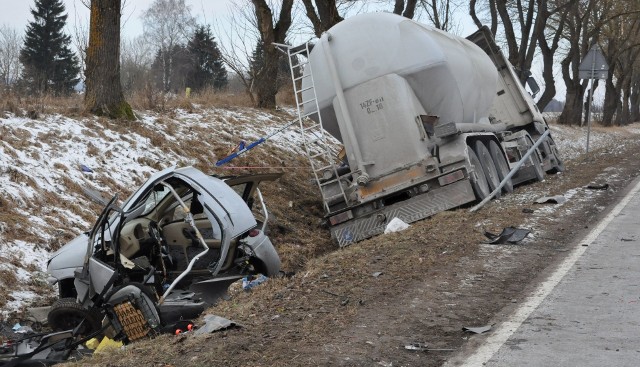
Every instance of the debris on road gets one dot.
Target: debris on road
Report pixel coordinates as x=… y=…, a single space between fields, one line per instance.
x=422 y=347
x=395 y=225
x=603 y=187
x=528 y=210
x=510 y=235
x=377 y=274
x=477 y=329
x=557 y=199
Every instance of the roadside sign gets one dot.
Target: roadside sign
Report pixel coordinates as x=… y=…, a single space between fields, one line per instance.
x=594 y=65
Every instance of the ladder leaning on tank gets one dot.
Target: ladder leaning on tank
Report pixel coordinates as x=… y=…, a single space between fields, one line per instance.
x=321 y=157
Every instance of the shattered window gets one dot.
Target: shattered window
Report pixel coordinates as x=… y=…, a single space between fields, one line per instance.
x=155 y=196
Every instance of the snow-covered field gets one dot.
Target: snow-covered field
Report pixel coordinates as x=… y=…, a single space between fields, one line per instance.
x=45 y=163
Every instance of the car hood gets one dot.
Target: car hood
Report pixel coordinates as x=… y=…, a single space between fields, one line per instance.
x=70 y=255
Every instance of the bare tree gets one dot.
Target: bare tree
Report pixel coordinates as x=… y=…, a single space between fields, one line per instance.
x=620 y=32
x=168 y=23
x=239 y=36
x=80 y=34
x=10 y=43
x=135 y=63
x=323 y=16
x=406 y=10
x=272 y=30
x=104 y=92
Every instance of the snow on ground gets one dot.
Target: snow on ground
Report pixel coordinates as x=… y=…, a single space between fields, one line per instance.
x=45 y=163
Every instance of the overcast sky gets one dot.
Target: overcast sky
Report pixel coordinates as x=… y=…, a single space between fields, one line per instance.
x=15 y=13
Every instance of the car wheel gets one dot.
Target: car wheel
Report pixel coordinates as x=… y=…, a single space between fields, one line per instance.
x=66 y=314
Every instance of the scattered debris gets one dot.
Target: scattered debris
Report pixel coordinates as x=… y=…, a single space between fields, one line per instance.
x=38 y=314
x=84 y=168
x=249 y=282
x=377 y=274
x=510 y=235
x=527 y=210
x=557 y=199
x=213 y=323
x=418 y=347
x=477 y=329
x=422 y=347
x=396 y=225
x=604 y=186
x=627 y=239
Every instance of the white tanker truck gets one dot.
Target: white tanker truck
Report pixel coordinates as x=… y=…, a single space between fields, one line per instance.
x=429 y=121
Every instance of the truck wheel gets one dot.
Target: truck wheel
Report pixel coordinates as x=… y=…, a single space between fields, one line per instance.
x=501 y=165
x=478 y=179
x=66 y=314
x=559 y=166
x=535 y=162
x=489 y=168
x=537 y=167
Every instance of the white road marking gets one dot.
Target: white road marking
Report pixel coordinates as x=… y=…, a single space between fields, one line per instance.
x=484 y=353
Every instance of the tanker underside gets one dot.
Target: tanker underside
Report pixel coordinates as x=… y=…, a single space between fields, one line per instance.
x=408 y=210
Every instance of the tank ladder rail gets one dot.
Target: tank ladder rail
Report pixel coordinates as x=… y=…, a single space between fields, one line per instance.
x=321 y=156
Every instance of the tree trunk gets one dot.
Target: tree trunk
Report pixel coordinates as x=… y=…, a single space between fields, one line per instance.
x=635 y=100
x=610 y=101
x=104 y=92
x=265 y=81
x=326 y=17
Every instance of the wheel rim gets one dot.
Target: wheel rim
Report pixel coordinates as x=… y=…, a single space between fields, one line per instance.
x=489 y=168
x=478 y=179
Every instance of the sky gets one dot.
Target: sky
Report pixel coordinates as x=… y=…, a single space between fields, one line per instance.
x=15 y=13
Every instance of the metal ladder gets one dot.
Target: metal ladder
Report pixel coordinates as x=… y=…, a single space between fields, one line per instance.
x=321 y=156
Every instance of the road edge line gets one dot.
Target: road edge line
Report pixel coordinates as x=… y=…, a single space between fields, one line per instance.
x=502 y=333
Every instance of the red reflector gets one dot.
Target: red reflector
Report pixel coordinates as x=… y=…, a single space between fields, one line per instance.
x=254 y=232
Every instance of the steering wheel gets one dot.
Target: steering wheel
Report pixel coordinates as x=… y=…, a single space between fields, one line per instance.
x=156 y=233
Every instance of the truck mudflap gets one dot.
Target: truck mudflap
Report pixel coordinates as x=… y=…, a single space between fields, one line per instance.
x=410 y=210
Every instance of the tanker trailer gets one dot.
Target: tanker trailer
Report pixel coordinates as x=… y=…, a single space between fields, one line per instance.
x=429 y=121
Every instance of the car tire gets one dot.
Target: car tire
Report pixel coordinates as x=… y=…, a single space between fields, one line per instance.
x=66 y=314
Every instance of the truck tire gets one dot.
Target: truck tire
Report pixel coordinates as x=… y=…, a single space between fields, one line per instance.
x=559 y=166
x=535 y=162
x=501 y=165
x=537 y=165
x=66 y=314
x=488 y=166
x=478 y=179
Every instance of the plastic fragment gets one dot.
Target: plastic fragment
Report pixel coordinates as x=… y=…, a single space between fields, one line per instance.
x=477 y=329
x=249 y=283
x=509 y=235
x=396 y=225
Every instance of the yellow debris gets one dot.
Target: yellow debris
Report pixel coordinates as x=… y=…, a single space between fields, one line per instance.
x=106 y=344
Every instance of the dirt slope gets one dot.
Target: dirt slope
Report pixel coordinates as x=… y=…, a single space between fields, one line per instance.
x=437 y=277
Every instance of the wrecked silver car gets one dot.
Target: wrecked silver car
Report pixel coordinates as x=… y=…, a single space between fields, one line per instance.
x=173 y=248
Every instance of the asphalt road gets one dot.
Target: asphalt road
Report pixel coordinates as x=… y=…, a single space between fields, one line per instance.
x=587 y=313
